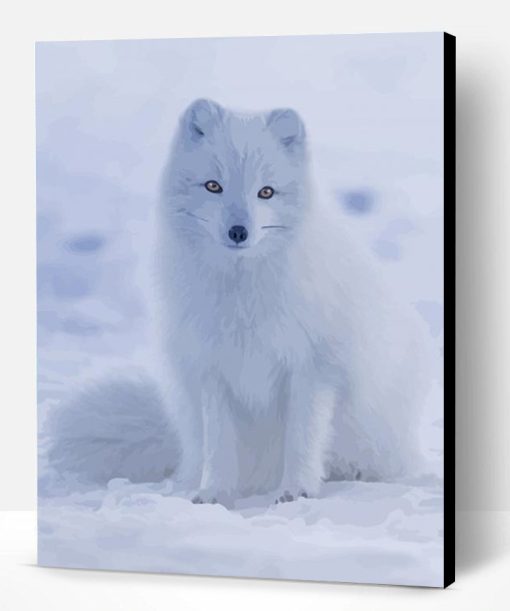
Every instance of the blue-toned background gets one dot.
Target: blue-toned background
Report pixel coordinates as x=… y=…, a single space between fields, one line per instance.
x=106 y=112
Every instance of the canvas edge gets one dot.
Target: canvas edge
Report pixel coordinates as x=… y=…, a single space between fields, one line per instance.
x=449 y=203
x=36 y=48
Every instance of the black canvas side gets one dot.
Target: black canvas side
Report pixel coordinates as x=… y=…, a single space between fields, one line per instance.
x=449 y=309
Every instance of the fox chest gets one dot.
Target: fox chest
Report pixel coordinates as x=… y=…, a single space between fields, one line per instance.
x=252 y=358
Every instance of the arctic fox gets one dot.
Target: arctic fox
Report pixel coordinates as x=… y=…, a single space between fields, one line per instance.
x=291 y=357
x=285 y=359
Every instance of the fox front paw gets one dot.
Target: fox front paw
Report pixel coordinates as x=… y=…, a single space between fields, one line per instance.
x=286 y=496
x=204 y=496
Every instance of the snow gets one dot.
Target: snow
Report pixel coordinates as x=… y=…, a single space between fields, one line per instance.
x=359 y=532
x=105 y=115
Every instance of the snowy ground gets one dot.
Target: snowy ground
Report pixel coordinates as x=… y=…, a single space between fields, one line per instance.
x=379 y=533
x=105 y=115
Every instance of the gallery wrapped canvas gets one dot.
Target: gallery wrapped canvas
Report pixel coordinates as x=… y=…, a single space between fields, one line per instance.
x=245 y=306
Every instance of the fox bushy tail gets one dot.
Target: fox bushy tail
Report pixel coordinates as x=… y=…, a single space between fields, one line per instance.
x=117 y=427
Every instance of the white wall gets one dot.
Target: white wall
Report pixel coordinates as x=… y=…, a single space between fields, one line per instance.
x=483 y=255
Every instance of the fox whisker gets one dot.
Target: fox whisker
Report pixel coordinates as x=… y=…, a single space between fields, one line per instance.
x=195 y=216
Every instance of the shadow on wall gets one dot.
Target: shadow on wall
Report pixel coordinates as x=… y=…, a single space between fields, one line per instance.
x=481 y=436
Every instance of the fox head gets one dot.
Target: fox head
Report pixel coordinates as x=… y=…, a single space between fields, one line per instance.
x=236 y=184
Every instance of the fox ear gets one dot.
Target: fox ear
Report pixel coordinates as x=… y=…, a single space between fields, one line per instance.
x=287 y=126
x=201 y=117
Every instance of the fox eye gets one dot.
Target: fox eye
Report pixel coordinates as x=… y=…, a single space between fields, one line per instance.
x=266 y=193
x=213 y=186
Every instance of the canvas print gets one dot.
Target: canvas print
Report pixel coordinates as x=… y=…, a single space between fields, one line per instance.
x=242 y=342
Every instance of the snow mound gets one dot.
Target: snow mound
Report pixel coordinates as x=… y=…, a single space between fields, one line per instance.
x=356 y=531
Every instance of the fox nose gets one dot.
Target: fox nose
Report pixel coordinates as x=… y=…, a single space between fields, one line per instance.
x=238 y=233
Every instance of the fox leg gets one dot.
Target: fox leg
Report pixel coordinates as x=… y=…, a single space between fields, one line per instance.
x=307 y=436
x=220 y=469
x=190 y=426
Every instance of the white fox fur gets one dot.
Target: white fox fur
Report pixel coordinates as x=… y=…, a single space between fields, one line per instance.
x=115 y=427
x=290 y=357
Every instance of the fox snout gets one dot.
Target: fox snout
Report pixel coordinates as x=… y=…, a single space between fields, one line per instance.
x=238 y=233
